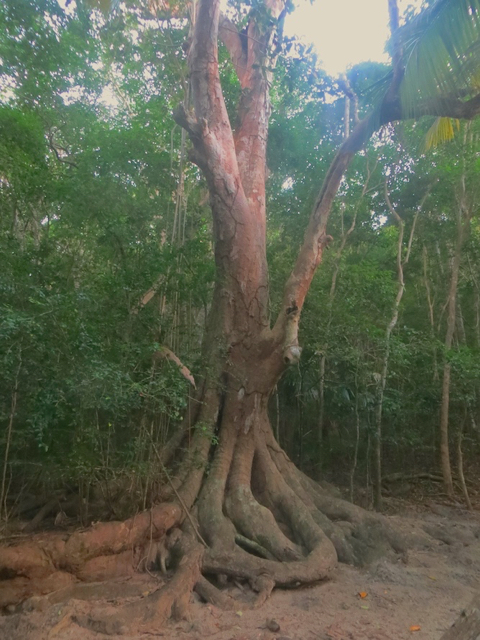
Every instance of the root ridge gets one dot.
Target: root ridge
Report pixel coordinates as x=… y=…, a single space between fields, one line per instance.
x=261 y=520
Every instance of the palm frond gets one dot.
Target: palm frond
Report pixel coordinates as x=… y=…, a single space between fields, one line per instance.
x=441 y=131
x=441 y=52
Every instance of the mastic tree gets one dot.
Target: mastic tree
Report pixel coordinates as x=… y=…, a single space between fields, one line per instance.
x=244 y=509
x=85 y=231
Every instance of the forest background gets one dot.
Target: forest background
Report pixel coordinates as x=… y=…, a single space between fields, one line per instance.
x=106 y=269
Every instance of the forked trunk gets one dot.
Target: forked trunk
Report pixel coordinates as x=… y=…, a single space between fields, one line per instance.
x=239 y=507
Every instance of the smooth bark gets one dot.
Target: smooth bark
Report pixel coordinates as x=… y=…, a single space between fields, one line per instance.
x=382 y=378
x=463 y=215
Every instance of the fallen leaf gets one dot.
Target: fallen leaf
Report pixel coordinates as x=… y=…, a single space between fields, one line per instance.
x=415 y=627
x=362 y=594
x=239 y=613
x=60 y=626
x=364 y=606
x=432 y=577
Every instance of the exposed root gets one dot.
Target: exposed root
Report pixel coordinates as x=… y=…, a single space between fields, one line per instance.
x=258 y=524
x=316 y=563
x=17 y=590
x=107 y=550
x=264 y=585
x=264 y=523
x=359 y=536
x=254 y=547
x=217 y=529
x=209 y=593
x=85 y=591
x=190 y=475
x=253 y=520
x=170 y=601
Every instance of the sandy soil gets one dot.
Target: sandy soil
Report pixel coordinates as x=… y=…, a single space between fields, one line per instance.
x=418 y=595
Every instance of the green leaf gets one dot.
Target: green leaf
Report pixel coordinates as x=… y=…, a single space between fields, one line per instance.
x=441 y=53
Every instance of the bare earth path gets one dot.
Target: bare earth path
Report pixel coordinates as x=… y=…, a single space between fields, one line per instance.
x=416 y=596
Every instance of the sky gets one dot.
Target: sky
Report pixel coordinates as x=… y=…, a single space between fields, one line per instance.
x=343 y=32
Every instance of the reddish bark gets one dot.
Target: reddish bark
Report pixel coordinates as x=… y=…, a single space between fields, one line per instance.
x=260 y=518
x=42 y=563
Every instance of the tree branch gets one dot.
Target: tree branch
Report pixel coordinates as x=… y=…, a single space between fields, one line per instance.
x=164 y=353
x=234 y=42
x=208 y=102
x=448 y=107
x=239 y=226
x=316 y=238
x=60 y=152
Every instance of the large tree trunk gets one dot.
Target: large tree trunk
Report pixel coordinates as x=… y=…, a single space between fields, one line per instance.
x=238 y=506
x=253 y=515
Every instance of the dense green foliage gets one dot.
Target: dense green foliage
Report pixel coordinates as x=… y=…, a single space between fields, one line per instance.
x=99 y=206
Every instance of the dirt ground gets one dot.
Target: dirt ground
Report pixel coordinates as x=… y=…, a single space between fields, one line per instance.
x=418 y=595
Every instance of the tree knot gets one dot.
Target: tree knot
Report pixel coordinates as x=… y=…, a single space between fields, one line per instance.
x=324 y=240
x=293 y=308
x=188 y=121
x=291 y=354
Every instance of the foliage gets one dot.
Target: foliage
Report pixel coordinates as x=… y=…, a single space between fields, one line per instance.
x=440 y=47
x=99 y=206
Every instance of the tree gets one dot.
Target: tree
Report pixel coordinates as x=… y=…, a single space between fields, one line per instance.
x=464 y=213
x=245 y=510
x=402 y=261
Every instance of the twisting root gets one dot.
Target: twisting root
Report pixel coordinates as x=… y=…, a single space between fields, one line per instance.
x=209 y=593
x=263 y=521
x=253 y=520
x=359 y=536
x=170 y=601
x=215 y=527
x=310 y=561
x=193 y=469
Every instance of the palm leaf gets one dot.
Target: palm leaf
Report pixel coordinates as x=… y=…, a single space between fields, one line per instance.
x=441 y=52
x=441 y=131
